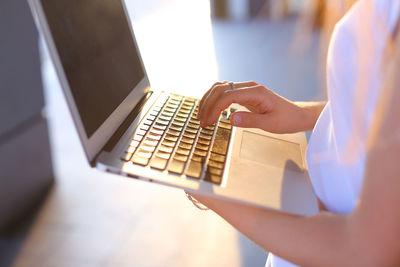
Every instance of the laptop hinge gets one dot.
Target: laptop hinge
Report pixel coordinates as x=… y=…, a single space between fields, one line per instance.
x=109 y=146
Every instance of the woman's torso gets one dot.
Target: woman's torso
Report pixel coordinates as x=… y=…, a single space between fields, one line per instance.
x=337 y=148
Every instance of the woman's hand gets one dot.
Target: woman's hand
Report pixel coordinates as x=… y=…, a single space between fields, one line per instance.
x=267 y=110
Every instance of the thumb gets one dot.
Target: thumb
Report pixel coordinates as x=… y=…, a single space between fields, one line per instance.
x=247 y=119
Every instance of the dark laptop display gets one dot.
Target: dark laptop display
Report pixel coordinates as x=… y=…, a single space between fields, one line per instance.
x=98 y=55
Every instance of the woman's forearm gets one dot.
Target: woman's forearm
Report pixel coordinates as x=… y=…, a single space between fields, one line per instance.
x=305 y=240
x=310 y=112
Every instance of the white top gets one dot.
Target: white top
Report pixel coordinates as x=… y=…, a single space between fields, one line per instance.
x=337 y=149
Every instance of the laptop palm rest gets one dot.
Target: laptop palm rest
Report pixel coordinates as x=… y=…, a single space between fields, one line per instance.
x=258 y=148
x=268 y=170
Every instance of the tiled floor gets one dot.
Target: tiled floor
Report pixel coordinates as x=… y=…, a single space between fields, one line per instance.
x=97 y=219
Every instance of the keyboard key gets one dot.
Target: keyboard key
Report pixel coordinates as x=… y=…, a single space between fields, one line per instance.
x=202 y=147
x=199 y=158
x=171 y=138
x=210 y=127
x=147 y=122
x=217 y=157
x=150 y=142
x=195 y=121
x=141 y=158
x=154 y=137
x=215 y=164
x=178 y=123
x=158 y=163
x=214 y=171
x=174 y=102
x=144 y=127
x=194 y=126
x=165 y=118
x=151 y=117
x=194 y=169
x=176 y=166
x=142 y=153
x=225 y=120
x=176 y=128
x=200 y=153
x=160 y=127
x=181 y=120
x=157 y=108
x=190 y=99
x=203 y=141
x=185 y=145
x=134 y=143
x=225 y=125
x=138 y=138
x=191 y=130
x=185 y=111
x=172 y=132
x=126 y=156
x=177 y=98
x=161 y=122
x=156 y=132
x=216 y=179
x=163 y=155
x=168 y=143
x=221 y=141
x=130 y=149
x=183 y=151
x=187 y=106
x=146 y=148
x=165 y=149
x=205 y=136
x=180 y=157
x=154 y=113
x=187 y=140
x=171 y=110
x=183 y=115
x=167 y=114
x=189 y=135
x=206 y=131
x=140 y=132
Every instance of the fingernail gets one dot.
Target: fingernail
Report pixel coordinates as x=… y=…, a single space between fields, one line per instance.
x=236 y=120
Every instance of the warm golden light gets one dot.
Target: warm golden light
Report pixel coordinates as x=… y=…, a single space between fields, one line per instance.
x=176 y=42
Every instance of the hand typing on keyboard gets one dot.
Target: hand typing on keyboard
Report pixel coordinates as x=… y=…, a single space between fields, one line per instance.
x=267 y=110
x=171 y=139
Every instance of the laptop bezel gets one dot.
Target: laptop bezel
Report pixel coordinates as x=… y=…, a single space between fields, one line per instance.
x=92 y=145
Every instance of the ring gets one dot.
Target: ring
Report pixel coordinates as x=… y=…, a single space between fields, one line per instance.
x=232 y=84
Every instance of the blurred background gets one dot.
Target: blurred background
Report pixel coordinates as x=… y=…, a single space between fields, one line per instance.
x=91 y=218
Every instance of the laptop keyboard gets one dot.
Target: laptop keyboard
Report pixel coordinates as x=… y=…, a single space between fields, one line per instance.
x=170 y=138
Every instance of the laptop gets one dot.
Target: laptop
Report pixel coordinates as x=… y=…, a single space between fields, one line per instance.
x=129 y=129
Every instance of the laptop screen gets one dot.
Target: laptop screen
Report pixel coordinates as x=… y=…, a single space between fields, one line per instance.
x=98 y=55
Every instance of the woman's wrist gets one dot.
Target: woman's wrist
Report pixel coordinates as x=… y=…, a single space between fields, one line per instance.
x=309 y=114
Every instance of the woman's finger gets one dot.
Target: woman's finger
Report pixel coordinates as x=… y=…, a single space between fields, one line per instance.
x=249 y=95
x=210 y=99
x=246 y=119
x=237 y=85
x=206 y=95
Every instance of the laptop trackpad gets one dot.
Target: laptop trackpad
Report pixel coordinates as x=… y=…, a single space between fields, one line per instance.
x=271 y=151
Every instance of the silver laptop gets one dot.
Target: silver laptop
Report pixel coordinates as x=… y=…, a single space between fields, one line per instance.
x=128 y=129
